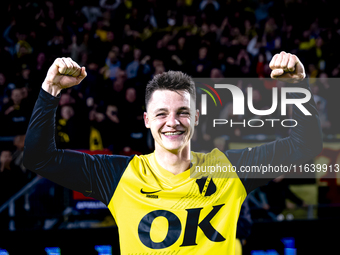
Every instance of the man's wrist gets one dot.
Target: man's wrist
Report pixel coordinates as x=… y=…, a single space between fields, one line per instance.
x=53 y=90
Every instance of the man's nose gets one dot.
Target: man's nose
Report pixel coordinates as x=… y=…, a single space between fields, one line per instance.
x=172 y=120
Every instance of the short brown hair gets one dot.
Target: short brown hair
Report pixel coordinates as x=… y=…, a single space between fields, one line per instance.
x=171 y=80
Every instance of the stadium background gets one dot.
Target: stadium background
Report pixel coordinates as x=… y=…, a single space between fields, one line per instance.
x=123 y=44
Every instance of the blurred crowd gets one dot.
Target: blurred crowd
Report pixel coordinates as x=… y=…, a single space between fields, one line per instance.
x=124 y=43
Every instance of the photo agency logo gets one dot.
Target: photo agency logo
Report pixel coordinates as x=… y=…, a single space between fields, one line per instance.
x=204 y=97
x=243 y=112
x=243 y=102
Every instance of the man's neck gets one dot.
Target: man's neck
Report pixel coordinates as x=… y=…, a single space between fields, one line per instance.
x=174 y=162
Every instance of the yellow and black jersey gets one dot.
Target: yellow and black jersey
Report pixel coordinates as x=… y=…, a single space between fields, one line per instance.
x=158 y=212
x=161 y=212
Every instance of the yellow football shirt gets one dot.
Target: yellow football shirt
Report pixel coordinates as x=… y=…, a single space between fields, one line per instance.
x=158 y=212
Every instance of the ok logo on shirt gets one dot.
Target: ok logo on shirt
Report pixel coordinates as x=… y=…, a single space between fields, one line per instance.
x=175 y=229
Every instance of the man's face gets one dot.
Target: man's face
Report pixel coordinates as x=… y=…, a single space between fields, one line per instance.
x=171 y=117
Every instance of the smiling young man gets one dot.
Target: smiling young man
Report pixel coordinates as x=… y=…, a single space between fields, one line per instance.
x=158 y=208
x=171 y=116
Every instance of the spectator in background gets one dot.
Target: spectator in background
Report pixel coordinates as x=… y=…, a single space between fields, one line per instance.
x=159 y=69
x=243 y=61
x=220 y=62
x=19 y=142
x=182 y=51
x=65 y=134
x=254 y=46
x=6 y=175
x=216 y=74
x=84 y=47
x=157 y=66
x=69 y=129
x=132 y=120
x=24 y=79
x=17 y=159
x=105 y=40
x=15 y=114
x=276 y=192
x=74 y=49
x=11 y=177
x=97 y=127
x=111 y=67
x=260 y=67
x=202 y=65
x=94 y=87
x=126 y=55
x=114 y=92
x=113 y=127
x=39 y=67
x=132 y=67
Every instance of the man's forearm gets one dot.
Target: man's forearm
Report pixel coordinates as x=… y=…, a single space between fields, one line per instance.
x=40 y=136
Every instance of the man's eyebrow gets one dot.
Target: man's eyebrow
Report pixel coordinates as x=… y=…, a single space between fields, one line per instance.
x=184 y=108
x=165 y=109
x=161 y=110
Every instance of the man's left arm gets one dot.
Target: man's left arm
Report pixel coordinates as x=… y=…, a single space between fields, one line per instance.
x=303 y=143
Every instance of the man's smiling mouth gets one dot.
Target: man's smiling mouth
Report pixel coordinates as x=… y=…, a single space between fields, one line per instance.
x=173 y=133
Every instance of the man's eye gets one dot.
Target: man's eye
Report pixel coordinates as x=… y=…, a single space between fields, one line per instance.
x=184 y=113
x=160 y=114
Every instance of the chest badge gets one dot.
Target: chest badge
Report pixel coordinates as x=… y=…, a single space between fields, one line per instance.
x=206 y=186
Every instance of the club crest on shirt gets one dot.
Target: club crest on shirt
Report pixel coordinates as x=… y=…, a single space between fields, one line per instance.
x=206 y=186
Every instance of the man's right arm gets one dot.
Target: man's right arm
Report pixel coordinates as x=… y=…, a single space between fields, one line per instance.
x=96 y=176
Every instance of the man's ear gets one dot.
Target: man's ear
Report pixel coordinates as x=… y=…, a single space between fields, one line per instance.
x=146 y=120
x=197 y=114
